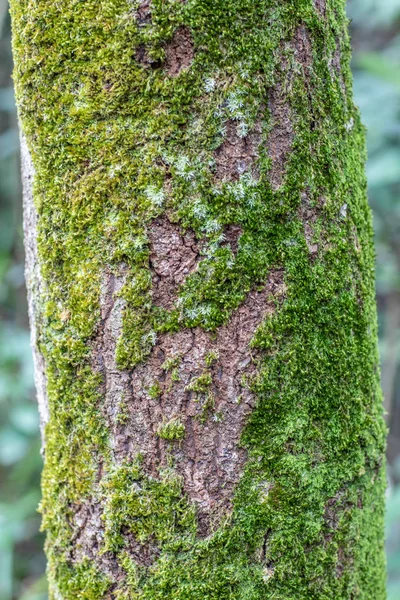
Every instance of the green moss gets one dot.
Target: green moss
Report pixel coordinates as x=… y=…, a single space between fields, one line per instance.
x=171 y=363
x=83 y=581
x=106 y=134
x=154 y=390
x=123 y=414
x=154 y=511
x=210 y=358
x=200 y=384
x=171 y=430
x=131 y=583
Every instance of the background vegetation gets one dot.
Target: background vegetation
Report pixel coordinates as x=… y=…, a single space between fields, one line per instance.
x=376 y=41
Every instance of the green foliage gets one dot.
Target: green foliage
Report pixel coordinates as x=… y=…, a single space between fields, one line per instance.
x=377 y=85
x=392 y=537
x=374 y=14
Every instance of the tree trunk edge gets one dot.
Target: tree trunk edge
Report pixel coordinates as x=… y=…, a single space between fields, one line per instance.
x=33 y=279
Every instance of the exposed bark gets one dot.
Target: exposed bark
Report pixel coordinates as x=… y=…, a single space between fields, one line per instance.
x=281 y=137
x=173 y=257
x=237 y=154
x=179 y=52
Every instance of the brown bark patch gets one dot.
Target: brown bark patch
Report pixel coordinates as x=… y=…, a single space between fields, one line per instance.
x=341 y=563
x=87 y=540
x=144 y=554
x=335 y=62
x=320 y=5
x=143 y=13
x=335 y=508
x=237 y=155
x=173 y=255
x=304 y=57
x=209 y=457
x=88 y=529
x=86 y=520
x=115 y=385
x=335 y=67
x=110 y=326
x=142 y=57
x=201 y=379
x=179 y=52
x=332 y=511
x=308 y=214
x=281 y=136
x=232 y=234
x=303 y=48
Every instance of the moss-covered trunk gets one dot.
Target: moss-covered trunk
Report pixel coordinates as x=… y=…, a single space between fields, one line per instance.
x=201 y=279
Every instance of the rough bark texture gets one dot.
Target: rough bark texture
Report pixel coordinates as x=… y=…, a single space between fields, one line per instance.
x=201 y=292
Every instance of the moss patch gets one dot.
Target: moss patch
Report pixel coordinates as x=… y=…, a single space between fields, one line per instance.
x=171 y=430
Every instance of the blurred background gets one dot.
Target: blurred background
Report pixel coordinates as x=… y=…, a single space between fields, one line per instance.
x=376 y=65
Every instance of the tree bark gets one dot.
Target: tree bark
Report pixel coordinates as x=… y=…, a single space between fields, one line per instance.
x=201 y=277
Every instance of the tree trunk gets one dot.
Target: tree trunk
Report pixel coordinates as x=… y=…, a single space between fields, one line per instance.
x=201 y=275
